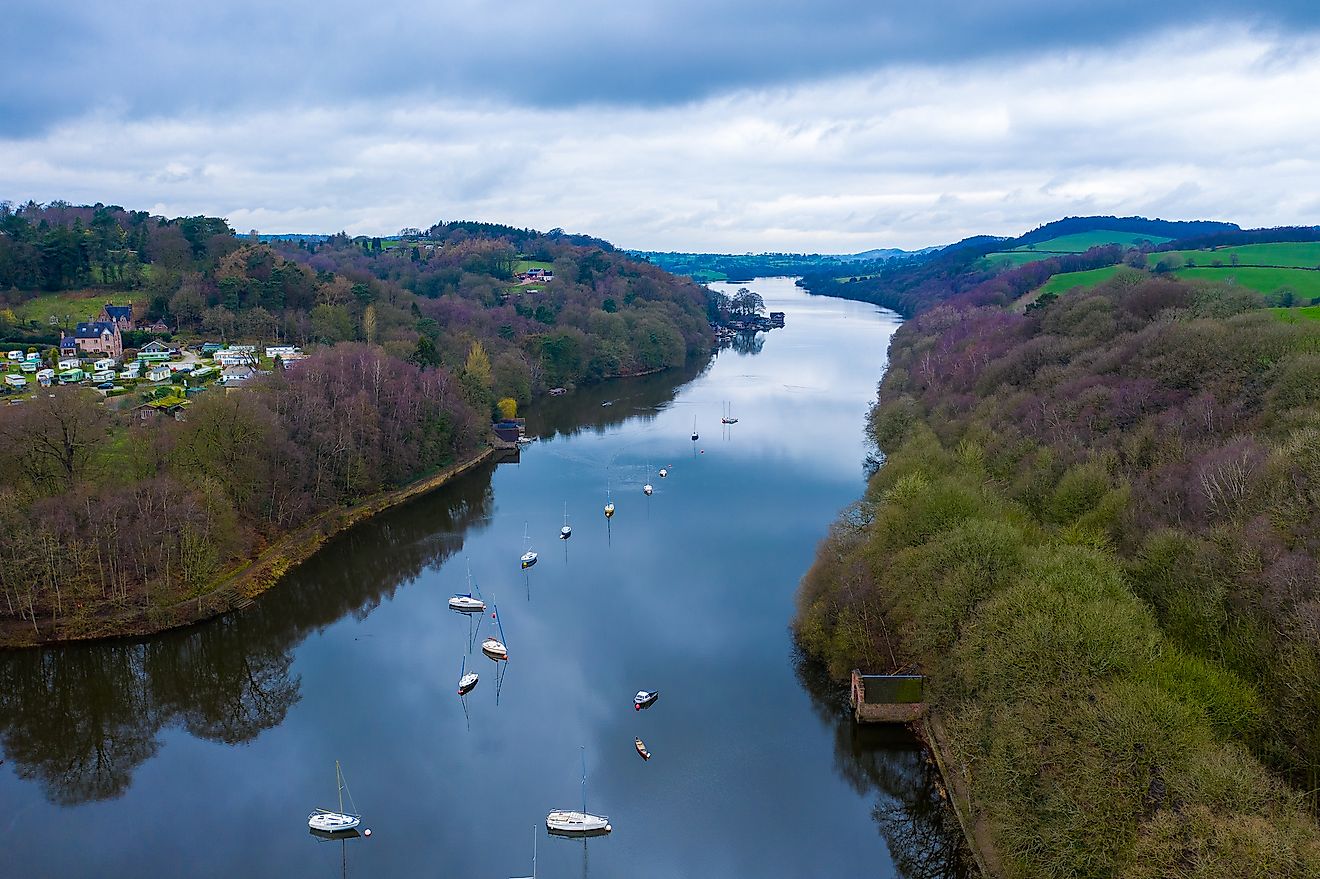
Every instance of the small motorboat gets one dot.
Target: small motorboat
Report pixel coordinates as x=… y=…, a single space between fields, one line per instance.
x=641 y=749
x=645 y=699
x=609 y=510
x=524 y=440
x=326 y=821
x=463 y=602
x=466 y=679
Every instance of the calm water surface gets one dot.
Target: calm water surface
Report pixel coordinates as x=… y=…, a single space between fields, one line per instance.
x=201 y=752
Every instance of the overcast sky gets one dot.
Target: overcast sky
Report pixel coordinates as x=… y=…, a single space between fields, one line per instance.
x=676 y=125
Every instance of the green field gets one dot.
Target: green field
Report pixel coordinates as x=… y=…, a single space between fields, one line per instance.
x=78 y=305
x=523 y=265
x=1062 y=283
x=1079 y=242
x=1298 y=254
x=1008 y=259
x=1083 y=241
x=1293 y=315
x=1304 y=283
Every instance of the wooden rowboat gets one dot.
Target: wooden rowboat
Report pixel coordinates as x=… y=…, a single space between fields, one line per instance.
x=641 y=749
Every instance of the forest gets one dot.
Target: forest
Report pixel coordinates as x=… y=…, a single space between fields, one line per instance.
x=110 y=512
x=1094 y=530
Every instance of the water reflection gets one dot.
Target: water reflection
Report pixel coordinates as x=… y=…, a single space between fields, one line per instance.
x=80 y=719
x=354 y=656
x=920 y=829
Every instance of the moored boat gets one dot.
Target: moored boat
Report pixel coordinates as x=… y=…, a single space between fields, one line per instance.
x=567 y=822
x=641 y=749
x=494 y=647
x=326 y=821
x=645 y=699
x=466 y=679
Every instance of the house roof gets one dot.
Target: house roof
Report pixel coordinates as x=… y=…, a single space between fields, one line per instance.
x=119 y=312
x=155 y=346
x=68 y=342
x=94 y=329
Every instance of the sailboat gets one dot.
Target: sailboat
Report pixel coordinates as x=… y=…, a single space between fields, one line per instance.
x=463 y=602
x=529 y=557
x=609 y=505
x=648 y=488
x=467 y=680
x=728 y=415
x=569 y=823
x=325 y=821
x=492 y=646
x=663 y=472
x=567 y=531
x=694 y=429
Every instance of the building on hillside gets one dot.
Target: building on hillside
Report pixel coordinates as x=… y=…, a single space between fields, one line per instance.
x=233 y=375
x=97 y=337
x=68 y=346
x=285 y=351
x=235 y=358
x=119 y=315
x=158 y=373
x=160 y=328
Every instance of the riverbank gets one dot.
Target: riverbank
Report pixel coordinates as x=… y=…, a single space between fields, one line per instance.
x=240 y=584
x=1100 y=714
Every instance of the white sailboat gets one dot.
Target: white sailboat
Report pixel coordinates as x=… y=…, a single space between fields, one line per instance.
x=567 y=531
x=694 y=429
x=663 y=472
x=463 y=602
x=571 y=823
x=492 y=646
x=529 y=557
x=648 y=488
x=326 y=821
x=728 y=415
x=609 y=505
x=466 y=679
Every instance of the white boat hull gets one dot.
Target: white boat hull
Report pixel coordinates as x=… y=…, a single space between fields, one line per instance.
x=577 y=823
x=528 y=559
x=495 y=649
x=466 y=604
x=467 y=682
x=332 y=822
x=647 y=489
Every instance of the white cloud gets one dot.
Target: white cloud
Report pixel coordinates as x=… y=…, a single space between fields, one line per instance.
x=1215 y=124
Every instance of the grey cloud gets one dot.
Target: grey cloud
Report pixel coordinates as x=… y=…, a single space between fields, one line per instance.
x=142 y=58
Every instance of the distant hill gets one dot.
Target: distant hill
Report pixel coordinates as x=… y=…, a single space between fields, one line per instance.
x=992 y=267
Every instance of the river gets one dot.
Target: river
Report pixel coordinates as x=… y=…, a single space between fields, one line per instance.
x=200 y=752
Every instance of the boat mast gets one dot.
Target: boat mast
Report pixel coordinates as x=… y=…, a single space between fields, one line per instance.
x=584 y=780
x=339 y=782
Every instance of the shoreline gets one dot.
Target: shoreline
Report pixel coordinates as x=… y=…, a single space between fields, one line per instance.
x=240 y=584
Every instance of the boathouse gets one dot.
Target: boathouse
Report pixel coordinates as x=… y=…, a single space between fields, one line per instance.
x=887 y=698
